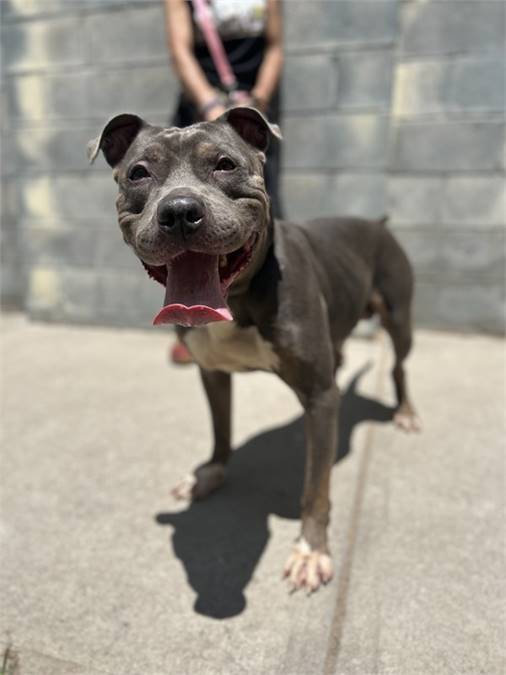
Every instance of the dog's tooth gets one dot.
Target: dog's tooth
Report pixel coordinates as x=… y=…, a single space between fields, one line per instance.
x=223 y=260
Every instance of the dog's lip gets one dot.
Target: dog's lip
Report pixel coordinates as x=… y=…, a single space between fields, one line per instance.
x=247 y=245
x=197 y=284
x=233 y=263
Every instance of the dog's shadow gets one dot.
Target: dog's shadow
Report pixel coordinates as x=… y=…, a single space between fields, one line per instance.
x=220 y=540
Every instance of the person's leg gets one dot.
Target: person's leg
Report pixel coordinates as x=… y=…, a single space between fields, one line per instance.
x=185 y=113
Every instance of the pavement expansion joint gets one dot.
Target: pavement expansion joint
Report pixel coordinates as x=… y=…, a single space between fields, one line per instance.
x=343 y=579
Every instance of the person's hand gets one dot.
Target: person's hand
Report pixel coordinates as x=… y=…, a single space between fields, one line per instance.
x=249 y=99
x=259 y=103
x=214 y=112
x=213 y=107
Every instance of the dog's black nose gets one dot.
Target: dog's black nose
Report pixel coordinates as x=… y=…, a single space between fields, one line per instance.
x=184 y=213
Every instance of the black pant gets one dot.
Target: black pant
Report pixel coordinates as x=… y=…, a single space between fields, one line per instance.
x=187 y=114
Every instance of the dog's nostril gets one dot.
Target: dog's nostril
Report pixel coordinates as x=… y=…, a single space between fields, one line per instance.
x=166 y=217
x=194 y=214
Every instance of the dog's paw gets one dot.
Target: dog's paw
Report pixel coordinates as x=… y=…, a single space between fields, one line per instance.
x=307 y=569
x=183 y=490
x=206 y=479
x=407 y=420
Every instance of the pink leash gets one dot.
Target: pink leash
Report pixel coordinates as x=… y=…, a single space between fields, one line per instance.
x=216 y=49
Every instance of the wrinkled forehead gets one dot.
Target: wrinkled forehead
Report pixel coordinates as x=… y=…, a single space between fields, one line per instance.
x=200 y=141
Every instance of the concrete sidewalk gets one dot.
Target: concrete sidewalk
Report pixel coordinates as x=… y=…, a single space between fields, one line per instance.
x=103 y=573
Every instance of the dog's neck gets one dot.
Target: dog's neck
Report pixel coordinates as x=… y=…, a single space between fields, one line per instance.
x=255 y=300
x=266 y=239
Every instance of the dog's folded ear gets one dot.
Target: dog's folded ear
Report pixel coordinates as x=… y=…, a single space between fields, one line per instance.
x=251 y=126
x=116 y=138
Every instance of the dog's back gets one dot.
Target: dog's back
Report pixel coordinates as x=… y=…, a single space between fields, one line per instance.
x=355 y=260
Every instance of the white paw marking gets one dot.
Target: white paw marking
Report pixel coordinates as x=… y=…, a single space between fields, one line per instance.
x=183 y=490
x=198 y=485
x=307 y=569
x=407 y=420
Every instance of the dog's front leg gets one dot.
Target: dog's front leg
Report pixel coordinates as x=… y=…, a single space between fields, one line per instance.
x=209 y=476
x=310 y=564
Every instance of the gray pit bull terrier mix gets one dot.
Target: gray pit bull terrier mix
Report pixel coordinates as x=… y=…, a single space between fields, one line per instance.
x=252 y=293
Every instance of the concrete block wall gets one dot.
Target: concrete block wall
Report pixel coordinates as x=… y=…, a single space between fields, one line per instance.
x=337 y=94
x=67 y=67
x=446 y=189
x=389 y=106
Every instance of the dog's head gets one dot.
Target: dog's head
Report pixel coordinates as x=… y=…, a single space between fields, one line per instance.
x=192 y=204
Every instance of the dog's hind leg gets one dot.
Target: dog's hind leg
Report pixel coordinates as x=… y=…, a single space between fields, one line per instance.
x=399 y=328
x=397 y=323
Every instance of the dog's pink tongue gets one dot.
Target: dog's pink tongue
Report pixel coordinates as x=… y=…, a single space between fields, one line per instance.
x=193 y=296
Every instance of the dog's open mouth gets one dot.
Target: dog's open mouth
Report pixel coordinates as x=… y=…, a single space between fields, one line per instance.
x=197 y=285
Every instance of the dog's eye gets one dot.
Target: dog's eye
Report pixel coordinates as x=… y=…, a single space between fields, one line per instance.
x=225 y=164
x=138 y=172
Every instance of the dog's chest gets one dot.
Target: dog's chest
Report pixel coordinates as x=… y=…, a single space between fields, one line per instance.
x=225 y=346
